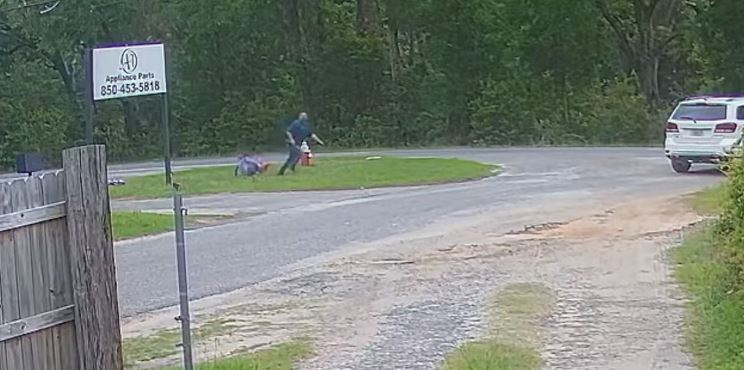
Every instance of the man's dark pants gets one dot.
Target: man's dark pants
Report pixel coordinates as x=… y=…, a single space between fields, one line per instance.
x=294 y=157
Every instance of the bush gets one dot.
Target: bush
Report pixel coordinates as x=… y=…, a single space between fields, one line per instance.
x=32 y=129
x=710 y=266
x=513 y=111
x=139 y=139
x=525 y=109
x=241 y=126
x=731 y=228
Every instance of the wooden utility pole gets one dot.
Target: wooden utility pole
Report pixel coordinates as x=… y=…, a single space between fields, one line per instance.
x=92 y=254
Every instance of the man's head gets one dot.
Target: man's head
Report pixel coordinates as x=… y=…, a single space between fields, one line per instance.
x=303 y=116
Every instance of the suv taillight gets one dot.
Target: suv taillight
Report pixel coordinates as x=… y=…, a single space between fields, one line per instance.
x=726 y=128
x=672 y=127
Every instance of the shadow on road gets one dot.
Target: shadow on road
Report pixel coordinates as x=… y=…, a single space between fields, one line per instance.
x=708 y=171
x=716 y=173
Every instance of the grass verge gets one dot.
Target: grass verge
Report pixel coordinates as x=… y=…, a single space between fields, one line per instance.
x=134 y=224
x=514 y=333
x=164 y=343
x=715 y=320
x=716 y=314
x=326 y=174
x=280 y=357
x=129 y=225
x=709 y=201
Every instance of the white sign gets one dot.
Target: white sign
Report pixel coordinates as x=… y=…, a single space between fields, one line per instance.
x=125 y=71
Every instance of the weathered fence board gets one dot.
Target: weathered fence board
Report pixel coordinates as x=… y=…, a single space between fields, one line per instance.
x=40 y=276
x=58 y=301
x=6 y=248
x=36 y=323
x=26 y=195
x=64 y=345
x=36 y=305
x=32 y=216
x=9 y=272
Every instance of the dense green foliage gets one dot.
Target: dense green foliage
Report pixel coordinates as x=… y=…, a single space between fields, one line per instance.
x=370 y=72
x=711 y=267
x=730 y=228
x=717 y=313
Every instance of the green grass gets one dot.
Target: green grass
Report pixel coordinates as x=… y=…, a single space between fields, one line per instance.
x=128 y=225
x=327 y=174
x=134 y=224
x=163 y=343
x=280 y=357
x=159 y=345
x=492 y=355
x=514 y=332
x=709 y=201
x=715 y=332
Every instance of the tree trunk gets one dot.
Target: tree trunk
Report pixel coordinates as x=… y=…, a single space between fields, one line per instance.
x=367 y=16
x=411 y=49
x=641 y=39
x=648 y=75
x=394 y=42
x=131 y=122
x=647 y=53
x=296 y=15
x=67 y=75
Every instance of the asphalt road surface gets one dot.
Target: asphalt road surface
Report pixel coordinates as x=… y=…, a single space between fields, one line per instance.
x=284 y=229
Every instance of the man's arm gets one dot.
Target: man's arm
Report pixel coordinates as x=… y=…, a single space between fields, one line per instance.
x=317 y=139
x=290 y=137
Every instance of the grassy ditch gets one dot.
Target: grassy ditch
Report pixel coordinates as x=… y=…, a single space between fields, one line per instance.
x=514 y=334
x=280 y=357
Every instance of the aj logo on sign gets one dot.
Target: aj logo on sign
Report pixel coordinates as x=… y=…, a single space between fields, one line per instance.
x=128 y=61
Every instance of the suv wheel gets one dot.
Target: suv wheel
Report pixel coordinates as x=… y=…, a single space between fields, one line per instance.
x=680 y=165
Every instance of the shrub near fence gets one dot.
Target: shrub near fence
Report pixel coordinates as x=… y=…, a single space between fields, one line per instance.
x=58 y=298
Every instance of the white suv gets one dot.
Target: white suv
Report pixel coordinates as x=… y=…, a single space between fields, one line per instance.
x=704 y=130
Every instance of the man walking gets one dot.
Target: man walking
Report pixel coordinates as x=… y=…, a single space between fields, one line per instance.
x=299 y=131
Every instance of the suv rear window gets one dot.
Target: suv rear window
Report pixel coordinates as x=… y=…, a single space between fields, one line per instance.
x=740 y=113
x=701 y=112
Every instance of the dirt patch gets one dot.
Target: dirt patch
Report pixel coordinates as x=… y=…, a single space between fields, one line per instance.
x=630 y=221
x=408 y=303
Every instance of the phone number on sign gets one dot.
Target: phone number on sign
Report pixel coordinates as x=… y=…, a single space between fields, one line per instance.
x=130 y=88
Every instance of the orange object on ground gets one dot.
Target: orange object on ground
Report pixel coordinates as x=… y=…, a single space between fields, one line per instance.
x=306 y=155
x=306 y=159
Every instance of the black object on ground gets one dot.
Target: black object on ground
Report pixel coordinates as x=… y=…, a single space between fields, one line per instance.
x=29 y=163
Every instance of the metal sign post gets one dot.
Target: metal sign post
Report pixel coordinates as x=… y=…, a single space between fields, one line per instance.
x=167 y=141
x=183 y=285
x=130 y=70
x=90 y=102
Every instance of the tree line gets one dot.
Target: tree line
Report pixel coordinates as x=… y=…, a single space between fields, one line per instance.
x=369 y=72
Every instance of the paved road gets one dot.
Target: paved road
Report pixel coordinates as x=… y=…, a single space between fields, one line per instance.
x=288 y=228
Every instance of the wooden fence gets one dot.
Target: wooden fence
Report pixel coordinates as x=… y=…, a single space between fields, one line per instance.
x=58 y=298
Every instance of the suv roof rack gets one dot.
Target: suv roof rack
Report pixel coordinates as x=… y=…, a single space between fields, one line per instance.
x=717 y=96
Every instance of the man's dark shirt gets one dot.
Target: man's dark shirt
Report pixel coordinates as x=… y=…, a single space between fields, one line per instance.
x=300 y=131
